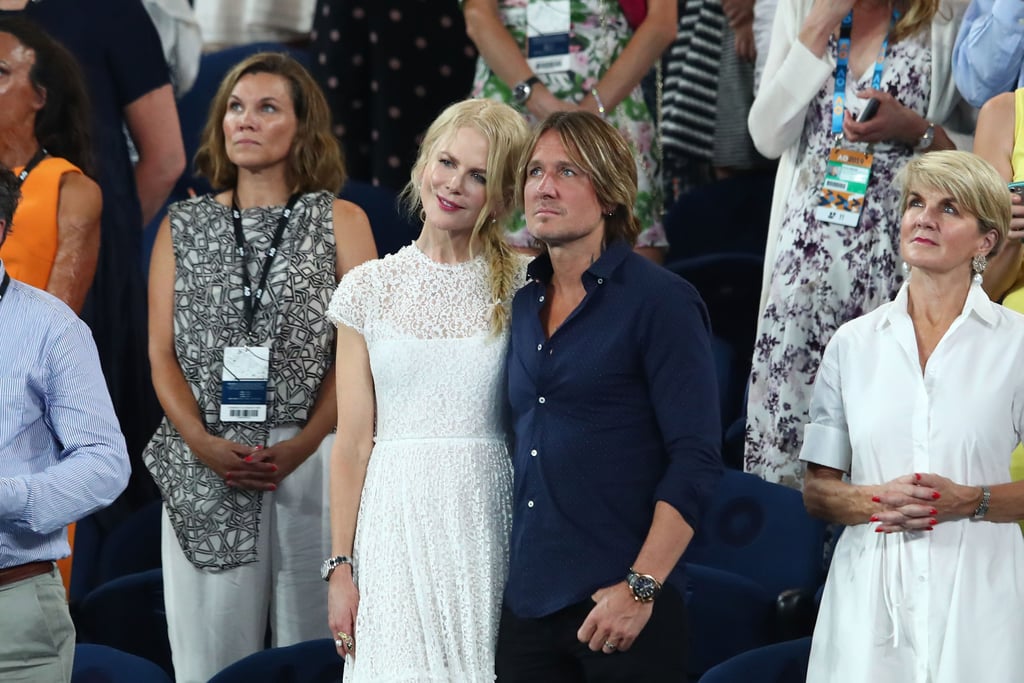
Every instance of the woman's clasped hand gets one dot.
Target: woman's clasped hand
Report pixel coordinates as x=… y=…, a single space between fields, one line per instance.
x=919 y=501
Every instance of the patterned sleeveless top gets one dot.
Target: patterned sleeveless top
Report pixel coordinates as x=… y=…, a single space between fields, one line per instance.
x=216 y=525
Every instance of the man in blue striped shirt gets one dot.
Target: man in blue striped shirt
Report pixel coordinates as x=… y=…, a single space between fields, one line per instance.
x=62 y=456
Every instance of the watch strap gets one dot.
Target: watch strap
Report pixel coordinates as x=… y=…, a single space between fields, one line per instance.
x=332 y=563
x=982 y=509
x=523 y=89
x=927 y=138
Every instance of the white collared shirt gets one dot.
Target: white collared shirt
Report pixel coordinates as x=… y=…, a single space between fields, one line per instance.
x=932 y=606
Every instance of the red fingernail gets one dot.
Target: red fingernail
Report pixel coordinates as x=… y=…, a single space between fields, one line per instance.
x=259 y=448
x=876 y=499
x=878 y=529
x=273 y=468
x=248 y=458
x=874 y=518
x=227 y=476
x=933 y=522
x=936 y=495
x=928 y=528
x=918 y=476
x=273 y=487
x=933 y=511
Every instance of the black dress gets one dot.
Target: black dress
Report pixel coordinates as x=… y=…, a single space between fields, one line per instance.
x=388 y=68
x=119 y=52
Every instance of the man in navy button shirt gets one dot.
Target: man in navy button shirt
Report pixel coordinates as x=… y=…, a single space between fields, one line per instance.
x=613 y=396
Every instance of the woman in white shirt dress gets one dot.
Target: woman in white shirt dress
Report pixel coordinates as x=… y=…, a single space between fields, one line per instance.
x=915 y=412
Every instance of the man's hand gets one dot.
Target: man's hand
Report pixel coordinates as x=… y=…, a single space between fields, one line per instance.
x=615 y=621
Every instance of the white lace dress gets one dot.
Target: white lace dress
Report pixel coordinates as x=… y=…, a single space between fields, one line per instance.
x=431 y=545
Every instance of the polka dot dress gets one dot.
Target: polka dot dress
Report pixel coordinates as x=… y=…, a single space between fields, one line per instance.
x=388 y=68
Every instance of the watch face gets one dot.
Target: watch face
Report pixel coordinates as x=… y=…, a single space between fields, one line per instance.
x=521 y=93
x=643 y=587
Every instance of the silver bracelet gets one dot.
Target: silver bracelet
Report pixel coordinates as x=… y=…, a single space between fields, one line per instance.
x=982 y=509
x=600 y=104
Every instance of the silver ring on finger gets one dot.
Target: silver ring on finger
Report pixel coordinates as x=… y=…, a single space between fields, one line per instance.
x=609 y=645
x=338 y=643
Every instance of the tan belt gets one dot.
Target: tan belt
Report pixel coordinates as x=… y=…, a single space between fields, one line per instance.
x=21 y=572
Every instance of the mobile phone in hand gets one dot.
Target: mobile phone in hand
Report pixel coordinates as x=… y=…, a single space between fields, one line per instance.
x=1017 y=187
x=869 y=110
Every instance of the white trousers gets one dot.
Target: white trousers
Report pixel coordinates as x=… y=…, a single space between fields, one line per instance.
x=216 y=617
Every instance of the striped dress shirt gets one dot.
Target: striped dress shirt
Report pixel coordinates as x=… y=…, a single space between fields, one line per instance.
x=62 y=454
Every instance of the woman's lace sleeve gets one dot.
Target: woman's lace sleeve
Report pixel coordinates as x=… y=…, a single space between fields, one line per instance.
x=350 y=302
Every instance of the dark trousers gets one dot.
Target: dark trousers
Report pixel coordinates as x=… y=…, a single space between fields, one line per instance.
x=546 y=650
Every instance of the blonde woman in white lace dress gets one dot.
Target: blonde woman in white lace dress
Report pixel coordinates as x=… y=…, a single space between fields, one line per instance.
x=421 y=480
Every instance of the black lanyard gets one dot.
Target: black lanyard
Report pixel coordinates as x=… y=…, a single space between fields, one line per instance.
x=252 y=299
x=3 y=285
x=32 y=163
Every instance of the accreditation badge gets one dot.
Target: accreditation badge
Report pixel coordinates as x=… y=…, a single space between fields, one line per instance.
x=846 y=182
x=244 y=384
x=547 y=35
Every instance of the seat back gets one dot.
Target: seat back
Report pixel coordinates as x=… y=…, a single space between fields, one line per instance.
x=132 y=546
x=730 y=285
x=314 y=661
x=392 y=228
x=761 y=531
x=127 y=613
x=102 y=664
x=778 y=663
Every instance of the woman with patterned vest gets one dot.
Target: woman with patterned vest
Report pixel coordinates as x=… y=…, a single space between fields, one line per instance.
x=241 y=351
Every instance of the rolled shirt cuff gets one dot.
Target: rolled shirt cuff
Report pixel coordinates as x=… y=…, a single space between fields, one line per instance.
x=827 y=446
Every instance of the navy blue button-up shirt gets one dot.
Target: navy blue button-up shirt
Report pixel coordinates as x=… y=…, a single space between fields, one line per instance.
x=616 y=411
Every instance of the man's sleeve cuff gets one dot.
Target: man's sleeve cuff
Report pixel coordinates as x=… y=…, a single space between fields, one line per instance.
x=13 y=498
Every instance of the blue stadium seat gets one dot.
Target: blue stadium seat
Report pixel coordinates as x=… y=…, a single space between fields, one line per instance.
x=778 y=663
x=127 y=613
x=102 y=664
x=315 y=661
x=753 y=568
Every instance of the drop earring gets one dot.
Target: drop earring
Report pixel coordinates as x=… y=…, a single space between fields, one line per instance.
x=978 y=265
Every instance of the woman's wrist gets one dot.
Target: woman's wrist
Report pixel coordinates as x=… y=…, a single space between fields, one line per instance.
x=193 y=433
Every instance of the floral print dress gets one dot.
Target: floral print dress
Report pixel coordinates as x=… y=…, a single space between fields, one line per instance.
x=597 y=35
x=826 y=274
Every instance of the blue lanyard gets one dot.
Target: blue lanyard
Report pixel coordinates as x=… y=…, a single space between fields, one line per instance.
x=843 y=65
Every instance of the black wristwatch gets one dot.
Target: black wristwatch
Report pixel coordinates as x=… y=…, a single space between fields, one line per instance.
x=522 y=90
x=643 y=586
x=332 y=563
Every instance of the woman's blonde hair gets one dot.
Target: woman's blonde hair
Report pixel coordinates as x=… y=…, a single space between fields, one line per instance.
x=314 y=162
x=973 y=183
x=506 y=132
x=603 y=154
x=915 y=16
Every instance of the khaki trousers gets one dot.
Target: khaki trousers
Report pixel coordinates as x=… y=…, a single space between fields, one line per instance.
x=37 y=644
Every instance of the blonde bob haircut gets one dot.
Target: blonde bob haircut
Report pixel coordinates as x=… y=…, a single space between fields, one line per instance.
x=972 y=182
x=506 y=132
x=603 y=154
x=315 y=161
